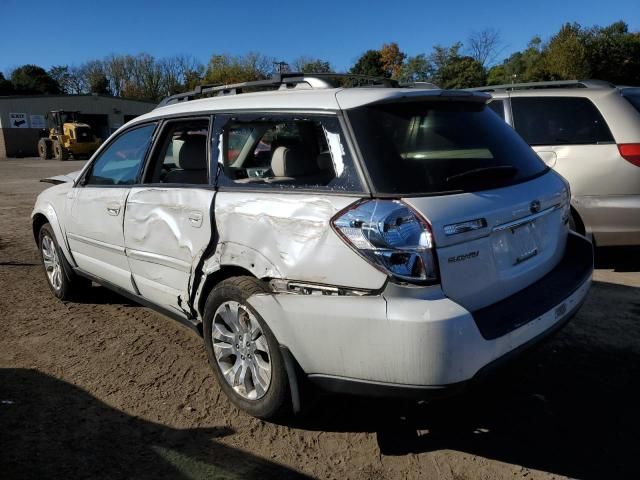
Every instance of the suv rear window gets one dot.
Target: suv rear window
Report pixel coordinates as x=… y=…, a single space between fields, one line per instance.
x=424 y=147
x=559 y=121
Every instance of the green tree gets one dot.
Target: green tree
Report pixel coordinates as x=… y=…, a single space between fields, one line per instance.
x=226 y=69
x=33 y=80
x=497 y=75
x=62 y=75
x=311 y=65
x=463 y=72
x=565 y=55
x=453 y=70
x=528 y=65
x=416 y=69
x=369 y=63
x=99 y=84
x=613 y=54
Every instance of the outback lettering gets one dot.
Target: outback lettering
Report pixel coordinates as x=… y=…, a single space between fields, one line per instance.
x=462 y=257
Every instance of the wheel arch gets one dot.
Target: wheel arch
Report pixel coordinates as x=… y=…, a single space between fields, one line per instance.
x=214 y=278
x=47 y=214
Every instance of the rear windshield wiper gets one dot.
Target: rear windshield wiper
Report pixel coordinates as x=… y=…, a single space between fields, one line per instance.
x=497 y=171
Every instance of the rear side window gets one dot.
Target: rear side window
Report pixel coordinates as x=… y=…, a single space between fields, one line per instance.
x=440 y=147
x=559 y=121
x=284 y=152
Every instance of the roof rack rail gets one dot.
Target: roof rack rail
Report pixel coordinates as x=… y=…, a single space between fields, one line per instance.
x=427 y=85
x=541 y=85
x=279 y=81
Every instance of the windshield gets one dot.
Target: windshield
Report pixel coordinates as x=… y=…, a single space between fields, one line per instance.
x=440 y=147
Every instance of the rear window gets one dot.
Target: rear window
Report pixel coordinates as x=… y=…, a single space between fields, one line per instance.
x=559 y=121
x=440 y=147
x=633 y=96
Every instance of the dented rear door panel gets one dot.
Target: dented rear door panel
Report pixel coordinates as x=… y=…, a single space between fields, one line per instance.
x=167 y=230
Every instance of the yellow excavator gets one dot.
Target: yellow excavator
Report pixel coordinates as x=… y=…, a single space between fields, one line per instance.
x=66 y=137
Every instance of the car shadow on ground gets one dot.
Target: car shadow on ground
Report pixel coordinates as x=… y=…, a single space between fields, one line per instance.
x=52 y=429
x=618 y=259
x=570 y=407
x=99 y=295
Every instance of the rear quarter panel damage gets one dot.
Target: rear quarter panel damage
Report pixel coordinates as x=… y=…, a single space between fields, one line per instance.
x=287 y=236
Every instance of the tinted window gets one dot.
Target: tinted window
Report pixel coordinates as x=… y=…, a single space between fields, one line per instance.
x=559 y=121
x=435 y=147
x=260 y=151
x=498 y=107
x=633 y=96
x=182 y=156
x=120 y=163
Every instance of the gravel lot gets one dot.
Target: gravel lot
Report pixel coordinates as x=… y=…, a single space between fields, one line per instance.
x=108 y=389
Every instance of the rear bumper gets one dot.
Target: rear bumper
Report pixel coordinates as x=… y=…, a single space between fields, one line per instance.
x=350 y=386
x=416 y=341
x=574 y=269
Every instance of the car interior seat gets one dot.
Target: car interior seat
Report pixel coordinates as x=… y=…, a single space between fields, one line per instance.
x=192 y=161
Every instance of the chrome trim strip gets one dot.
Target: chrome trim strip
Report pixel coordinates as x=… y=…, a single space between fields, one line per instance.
x=524 y=220
x=159 y=259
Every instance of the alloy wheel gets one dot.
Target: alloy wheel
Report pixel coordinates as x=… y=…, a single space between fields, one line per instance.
x=241 y=350
x=52 y=265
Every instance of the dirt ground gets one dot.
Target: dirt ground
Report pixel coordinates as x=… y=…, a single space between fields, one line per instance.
x=109 y=389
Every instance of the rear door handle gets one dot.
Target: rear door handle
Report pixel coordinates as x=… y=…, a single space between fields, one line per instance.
x=195 y=219
x=113 y=209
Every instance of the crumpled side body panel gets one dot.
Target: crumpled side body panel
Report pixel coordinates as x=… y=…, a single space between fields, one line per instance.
x=288 y=236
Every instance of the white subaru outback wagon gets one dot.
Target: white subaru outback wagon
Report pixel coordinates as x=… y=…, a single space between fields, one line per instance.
x=374 y=240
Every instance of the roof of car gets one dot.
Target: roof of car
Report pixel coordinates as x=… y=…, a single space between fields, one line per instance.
x=593 y=92
x=323 y=99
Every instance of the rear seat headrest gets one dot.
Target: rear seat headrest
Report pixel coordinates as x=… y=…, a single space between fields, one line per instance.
x=288 y=162
x=193 y=153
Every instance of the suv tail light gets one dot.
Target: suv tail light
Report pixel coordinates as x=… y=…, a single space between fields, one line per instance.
x=630 y=152
x=391 y=236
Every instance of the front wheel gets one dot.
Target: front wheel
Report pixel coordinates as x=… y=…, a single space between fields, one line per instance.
x=44 y=149
x=242 y=350
x=59 y=151
x=63 y=282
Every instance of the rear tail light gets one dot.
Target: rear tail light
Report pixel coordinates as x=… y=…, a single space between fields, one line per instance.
x=392 y=237
x=630 y=152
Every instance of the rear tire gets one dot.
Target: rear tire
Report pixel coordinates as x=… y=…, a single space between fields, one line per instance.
x=59 y=151
x=44 y=148
x=61 y=278
x=242 y=350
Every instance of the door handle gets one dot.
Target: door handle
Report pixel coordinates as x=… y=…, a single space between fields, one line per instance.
x=113 y=209
x=195 y=219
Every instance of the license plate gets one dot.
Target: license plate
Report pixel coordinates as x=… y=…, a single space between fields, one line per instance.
x=523 y=243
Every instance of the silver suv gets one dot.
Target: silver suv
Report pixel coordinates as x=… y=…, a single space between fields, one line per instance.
x=589 y=132
x=376 y=240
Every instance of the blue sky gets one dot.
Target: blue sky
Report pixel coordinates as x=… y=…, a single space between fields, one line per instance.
x=53 y=33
